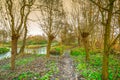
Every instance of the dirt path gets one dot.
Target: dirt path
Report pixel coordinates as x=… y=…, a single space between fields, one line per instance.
x=66 y=68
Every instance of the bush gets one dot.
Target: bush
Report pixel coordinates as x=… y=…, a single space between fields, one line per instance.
x=4 y=50
x=77 y=51
x=56 y=50
x=93 y=69
x=96 y=51
x=35 y=40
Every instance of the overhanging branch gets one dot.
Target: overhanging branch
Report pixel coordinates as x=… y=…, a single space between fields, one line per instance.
x=99 y=5
x=114 y=41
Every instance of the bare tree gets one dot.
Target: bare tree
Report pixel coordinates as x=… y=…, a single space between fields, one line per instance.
x=14 y=17
x=85 y=18
x=107 y=9
x=50 y=20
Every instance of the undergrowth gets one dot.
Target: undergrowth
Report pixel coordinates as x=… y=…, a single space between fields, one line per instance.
x=93 y=69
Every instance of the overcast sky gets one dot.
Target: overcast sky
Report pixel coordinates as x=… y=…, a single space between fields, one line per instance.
x=34 y=28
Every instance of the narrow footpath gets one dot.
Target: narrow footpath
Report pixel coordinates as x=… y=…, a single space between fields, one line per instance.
x=66 y=68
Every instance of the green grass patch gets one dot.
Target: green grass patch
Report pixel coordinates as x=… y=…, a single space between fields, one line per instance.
x=57 y=50
x=22 y=61
x=33 y=46
x=51 y=65
x=77 y=51
x=93 y=69
x=4 y=50
x=28 y=76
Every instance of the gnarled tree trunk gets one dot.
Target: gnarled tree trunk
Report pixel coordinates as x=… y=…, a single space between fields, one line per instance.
x=48 y=48
x=78 y=39
x=50 y=39
x=14 y=50
x=86 y=44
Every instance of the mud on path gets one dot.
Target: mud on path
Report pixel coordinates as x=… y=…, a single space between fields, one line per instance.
x=66 y=68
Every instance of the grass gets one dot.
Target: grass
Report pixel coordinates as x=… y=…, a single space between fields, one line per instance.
x=50 y=66
x=60 y=48
x=77 y=51
x=27 y=76
x=4 y=50
x=36 y=76
x=57 y=50
x=33 y=46
x=93 y=69
x=22 y=61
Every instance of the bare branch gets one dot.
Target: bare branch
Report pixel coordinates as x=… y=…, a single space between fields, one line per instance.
x=114 y=41
x=99 y=5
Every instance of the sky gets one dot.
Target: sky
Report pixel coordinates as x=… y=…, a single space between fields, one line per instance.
x=34 y=27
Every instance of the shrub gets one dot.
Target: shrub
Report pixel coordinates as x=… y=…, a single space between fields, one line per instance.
x=92 y=70
x=77 y=51
x=96 y=51
x=57 y=50
x=4 y=50
x=54 y=52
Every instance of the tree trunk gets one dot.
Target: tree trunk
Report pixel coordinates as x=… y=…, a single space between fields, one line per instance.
x=106 y=54
x=119 y=27
x=86 y=45
x=14 y=51
x=24 y=42
x=105 y=66
x=107 y=44
x=78 y=40
x=48 y=48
